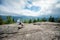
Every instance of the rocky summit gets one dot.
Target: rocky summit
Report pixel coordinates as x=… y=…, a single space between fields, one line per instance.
x=33 y=31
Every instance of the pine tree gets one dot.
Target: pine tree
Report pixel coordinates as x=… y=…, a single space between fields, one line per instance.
x=58 y=20
x=9 y=19
x=43 y=19
x=34 y=20
x=38 y=20
x=13 y=20
x=30 y=21
x=51 y=19
x=1 y=20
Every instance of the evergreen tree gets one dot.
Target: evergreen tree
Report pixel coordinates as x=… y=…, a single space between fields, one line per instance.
x=51 y=19
x=9 y=19
x=38 y=20
x=30 y=21
x=1 y=20
x=43 y=19
x=58 y=20
x=13 y=20
x=34 y=20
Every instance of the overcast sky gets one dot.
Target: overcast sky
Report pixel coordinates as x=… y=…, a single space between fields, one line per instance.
x=30 y=7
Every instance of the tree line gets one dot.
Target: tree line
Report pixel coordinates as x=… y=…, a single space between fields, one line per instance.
x=10 y=20
x=50 y=19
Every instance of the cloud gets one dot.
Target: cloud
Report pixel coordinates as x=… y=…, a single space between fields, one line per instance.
x=30 y=7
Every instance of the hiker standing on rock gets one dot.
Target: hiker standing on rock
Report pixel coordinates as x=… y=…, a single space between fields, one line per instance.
x=19 y=23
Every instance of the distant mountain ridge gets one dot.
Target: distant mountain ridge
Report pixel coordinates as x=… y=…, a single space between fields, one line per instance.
x=18 y=17
x=23 y=17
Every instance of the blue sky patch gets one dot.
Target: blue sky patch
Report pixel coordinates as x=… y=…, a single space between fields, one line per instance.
x=33 y=8
x=30 y=1
x=0 y=2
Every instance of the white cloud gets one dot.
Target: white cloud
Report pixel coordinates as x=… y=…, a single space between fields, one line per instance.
x=45 y=5
x=17 y=7
x=58 y=5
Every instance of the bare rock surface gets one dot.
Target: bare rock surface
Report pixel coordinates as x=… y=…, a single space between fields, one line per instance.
x=36 y=31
